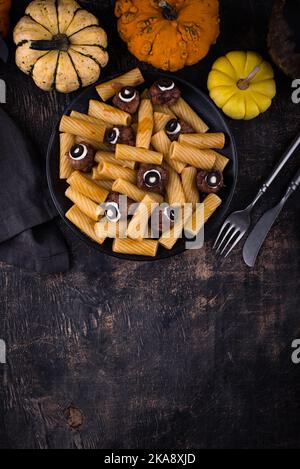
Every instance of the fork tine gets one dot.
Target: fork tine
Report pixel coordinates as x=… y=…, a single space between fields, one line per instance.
x=229 y=241
x=220 y=232
x=225 y=237
x=234 y=244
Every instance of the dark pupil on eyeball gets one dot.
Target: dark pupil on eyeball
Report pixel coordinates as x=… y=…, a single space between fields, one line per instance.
x=172 y=125
x=213 y=179
x=77 y=151
x=152 y=179
x=111 y=212
x=171 y=214
x=127 y=93
x=111 y=135
x=166 y=83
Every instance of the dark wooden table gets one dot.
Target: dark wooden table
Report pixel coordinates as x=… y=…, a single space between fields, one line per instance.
x=183 y=353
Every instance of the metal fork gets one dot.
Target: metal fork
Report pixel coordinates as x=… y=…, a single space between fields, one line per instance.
x=237 y=224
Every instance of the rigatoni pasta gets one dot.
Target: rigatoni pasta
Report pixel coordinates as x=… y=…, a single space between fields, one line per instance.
x=162 y=144
x=87 y=187
x=188 y=179
x=202 y=214
x=174 y=188
x=82 y=128
x=142 y=247
x=83 y=223
x=145 y=124
x=201 y=159
x=125 y=153
x=66 y=143
x=108 y=170
x=203 y=141
x=86 y=205
x=184 y=111
x=140 y=155
x=109 y=114
x=160 y=121
x=108 y=89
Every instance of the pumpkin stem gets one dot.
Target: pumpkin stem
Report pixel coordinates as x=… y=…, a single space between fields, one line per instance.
x=244 y=83
x=169 y=11
x=59 y=42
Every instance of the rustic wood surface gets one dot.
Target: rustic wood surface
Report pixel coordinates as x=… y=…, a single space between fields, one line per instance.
x=183 y=353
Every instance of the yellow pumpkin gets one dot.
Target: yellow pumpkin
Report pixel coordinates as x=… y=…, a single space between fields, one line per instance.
x=242 y=84
x=168 y=34
x=60 y=45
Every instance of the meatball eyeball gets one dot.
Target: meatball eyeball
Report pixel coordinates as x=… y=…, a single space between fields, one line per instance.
x=163 y=219
x=81 y=157
x=164 y=92
x=127 y=99
x=116 y=207
x=120 y=134
x=152 y=178
x=210 y=182
x=176 y=127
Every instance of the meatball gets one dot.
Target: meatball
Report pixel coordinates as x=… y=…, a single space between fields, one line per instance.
x=116 y=208
x=127 y=99
x=81 y=157
x=120 y=134
x=164 y=92
x=163 y=219
x=152 y=178
x=210 y=182
x=176 y=127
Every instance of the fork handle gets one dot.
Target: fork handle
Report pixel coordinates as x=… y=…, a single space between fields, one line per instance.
x=281 y=163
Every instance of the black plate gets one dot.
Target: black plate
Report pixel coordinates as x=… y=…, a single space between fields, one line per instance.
x=202 y=105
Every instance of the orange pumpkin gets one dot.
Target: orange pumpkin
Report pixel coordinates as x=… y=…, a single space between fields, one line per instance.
x=4 y=16
x=168 y=34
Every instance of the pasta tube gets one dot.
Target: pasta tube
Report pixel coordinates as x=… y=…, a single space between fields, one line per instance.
x=87 y=187
x=108 y=89
x=174 y=188
x=86 y=118
x=86 y=205
x=160 y=121
x=138 y=226
x=105 y=184
x=221 y=162
x=84 y=223
x=164 y=109
x=143 y=247
x=145 y=124
x=169 y=238
x=109 y=229
x=202 y=159
x=111 y=115
x=162 y=144
x=141 y=155
x=100 y=146
x=66 y=143
x=82 y=128
x=189 y=183
x=202 y=141
x=202 y=214
x=183 y=110
x=108 y=170
x=110 y=158
x=133 y=192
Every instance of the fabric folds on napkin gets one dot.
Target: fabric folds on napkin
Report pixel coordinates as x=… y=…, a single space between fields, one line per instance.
x=27 y=239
